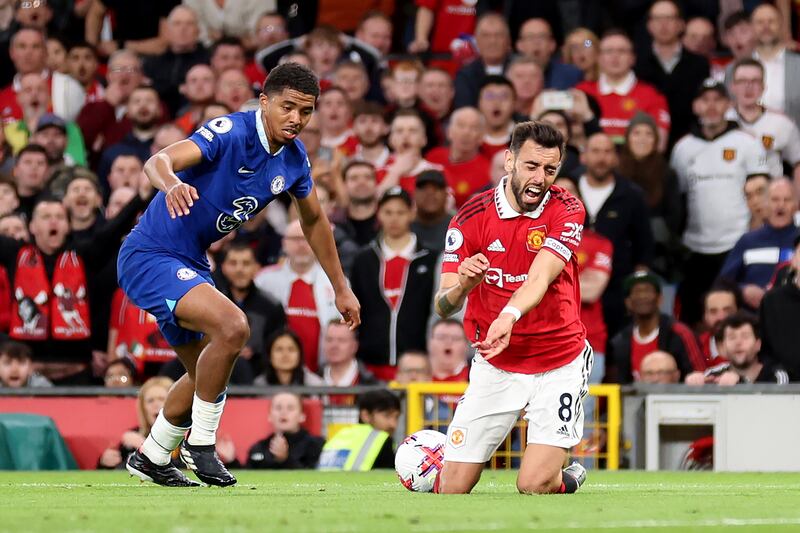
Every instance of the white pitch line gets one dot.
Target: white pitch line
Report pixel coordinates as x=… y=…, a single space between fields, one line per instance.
x=633 y=524
x=732 y=522
x=637 y=487
x=72 y=485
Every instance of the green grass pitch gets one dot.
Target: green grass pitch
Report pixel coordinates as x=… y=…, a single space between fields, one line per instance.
x=300 y=502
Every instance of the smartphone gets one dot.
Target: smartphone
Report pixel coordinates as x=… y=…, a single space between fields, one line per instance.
x=558 y=100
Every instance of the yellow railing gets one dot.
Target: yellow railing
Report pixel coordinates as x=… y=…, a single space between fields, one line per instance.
x=430 y=405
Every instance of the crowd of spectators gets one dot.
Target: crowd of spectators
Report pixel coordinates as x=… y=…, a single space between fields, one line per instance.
x=683 y=143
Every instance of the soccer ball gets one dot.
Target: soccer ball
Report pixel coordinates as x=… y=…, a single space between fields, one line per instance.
x=419 y=459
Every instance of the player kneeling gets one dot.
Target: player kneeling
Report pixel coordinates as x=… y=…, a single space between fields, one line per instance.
x=513 y=250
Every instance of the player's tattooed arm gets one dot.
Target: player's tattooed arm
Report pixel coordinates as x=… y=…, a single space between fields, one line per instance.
x=445 y=306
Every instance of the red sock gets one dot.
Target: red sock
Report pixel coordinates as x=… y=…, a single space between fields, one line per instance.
x=568 y=484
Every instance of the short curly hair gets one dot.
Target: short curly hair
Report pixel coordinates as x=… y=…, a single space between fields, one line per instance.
x=541 y=133
x=291 y=76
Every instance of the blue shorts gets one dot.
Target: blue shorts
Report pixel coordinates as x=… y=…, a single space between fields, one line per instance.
x=155 y=281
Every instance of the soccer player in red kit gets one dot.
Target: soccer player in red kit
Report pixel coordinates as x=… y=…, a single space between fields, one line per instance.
x=512 y=249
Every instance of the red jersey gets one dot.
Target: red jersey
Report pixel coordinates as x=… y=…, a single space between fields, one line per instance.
x=95 y=92
x=303 y=319
x=551 y=335
x=10 y=111
x=640 y=348
x=451 y=19
x=255 y=74
x=186 y=122
x=488 y=150
x=461 y=376
x=464 y=178
x=616 y=110
x=409 y=181
x=346 y=143
x=709 y=348
x=595 y=253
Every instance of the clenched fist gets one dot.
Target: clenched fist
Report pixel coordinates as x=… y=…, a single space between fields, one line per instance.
x=472 y=270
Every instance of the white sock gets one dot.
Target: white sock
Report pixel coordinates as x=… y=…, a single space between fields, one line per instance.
x=163 y=438
x=205 y=420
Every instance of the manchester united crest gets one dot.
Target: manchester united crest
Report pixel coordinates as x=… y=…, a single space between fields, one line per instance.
x=729 y=154
x=536 y=236
x=768 y=141
x=457 y=437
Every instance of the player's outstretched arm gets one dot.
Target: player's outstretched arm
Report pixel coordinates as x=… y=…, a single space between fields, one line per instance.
x=544 y=269
x=317 y=230
x=454 y=287
x=161 y=168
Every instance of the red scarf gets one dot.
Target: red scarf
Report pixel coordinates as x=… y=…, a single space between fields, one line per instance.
x=5 y=300
x=138 y=335
x=41 y=306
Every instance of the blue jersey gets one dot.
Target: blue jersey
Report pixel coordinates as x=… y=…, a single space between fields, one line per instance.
x=236 y=179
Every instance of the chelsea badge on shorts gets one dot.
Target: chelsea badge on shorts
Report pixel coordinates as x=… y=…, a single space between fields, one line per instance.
x=277 y=185
x=185 y=274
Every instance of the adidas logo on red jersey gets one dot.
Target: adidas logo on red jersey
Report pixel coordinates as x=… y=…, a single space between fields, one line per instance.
x=496 y=246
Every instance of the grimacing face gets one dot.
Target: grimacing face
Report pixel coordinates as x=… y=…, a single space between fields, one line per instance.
x=532 y=171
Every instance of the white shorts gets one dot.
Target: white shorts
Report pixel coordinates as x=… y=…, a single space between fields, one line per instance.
x=491 y=405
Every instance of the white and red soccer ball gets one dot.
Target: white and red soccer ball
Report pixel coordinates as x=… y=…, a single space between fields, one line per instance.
x=419 y=459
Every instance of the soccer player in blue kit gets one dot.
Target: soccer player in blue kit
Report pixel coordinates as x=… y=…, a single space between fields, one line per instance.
x=209 y=184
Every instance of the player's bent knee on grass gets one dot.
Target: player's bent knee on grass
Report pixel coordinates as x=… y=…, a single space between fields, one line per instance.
x=540 y=472
x=539 y=484
x=459 y=478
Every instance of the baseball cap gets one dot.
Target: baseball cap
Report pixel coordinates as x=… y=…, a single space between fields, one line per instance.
x=710 y=84
x=431 y=176
x=641 y=276
x=51 y=120
x=395 y=192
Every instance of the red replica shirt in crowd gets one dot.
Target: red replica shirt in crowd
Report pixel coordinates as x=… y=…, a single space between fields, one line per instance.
x=709 y=348
x=464 y=178
x=595 y=253
x=95 y=92
x=10 y=111
x=254 y=74
x=451 y=18
x=552 y=334
x=488 y=150
x=393 y=275
x=409 y=181
x=462 y=375
x=619 y=104
x=346 y=143
x=138 y=335
x=301 y=317
x=639 y=349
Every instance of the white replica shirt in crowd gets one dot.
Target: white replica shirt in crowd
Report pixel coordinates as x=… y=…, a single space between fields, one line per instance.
x=712 y=174
x=774 y=96
x=780 y=137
